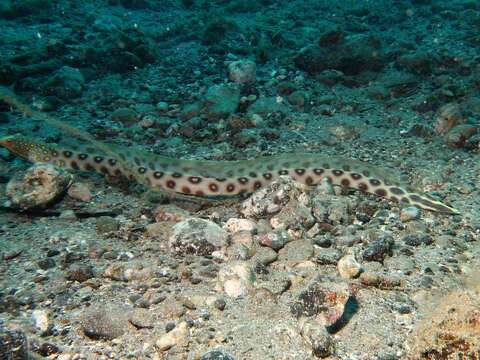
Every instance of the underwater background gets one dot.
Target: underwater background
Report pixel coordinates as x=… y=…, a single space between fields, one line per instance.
x=111 y=246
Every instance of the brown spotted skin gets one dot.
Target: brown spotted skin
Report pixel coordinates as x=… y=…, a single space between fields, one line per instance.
x=222 y=178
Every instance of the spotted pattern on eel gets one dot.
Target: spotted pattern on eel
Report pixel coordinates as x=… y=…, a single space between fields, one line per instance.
x=224 y=178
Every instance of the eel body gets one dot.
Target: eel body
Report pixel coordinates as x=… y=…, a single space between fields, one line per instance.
x=223 y=178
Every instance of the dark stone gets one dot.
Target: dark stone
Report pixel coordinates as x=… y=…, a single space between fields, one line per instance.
x=169 y=326
x=220 y=304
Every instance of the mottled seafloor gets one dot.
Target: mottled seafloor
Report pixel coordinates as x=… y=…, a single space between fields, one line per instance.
x=100 y=274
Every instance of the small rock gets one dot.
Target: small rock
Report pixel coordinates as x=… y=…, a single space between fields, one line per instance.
x=162 y=107
x=197 y=236
x=276 y=239
x=348 y=267
x=220 y=304
x=79 y=191
x=40 y=319
x=177 y=336
x=235 y=278
x=410 y=213
x=38 y=187
x=242 y=71
x=104 y=322
x=235 y=225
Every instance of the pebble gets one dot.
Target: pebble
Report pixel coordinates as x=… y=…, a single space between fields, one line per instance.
x=39 y=187
x=197 y=236
x=177 y=336
x=235 y=278
x=275 y=240
x=40 y=319
x=235 y=225
x=348 y=267
x=220 y=304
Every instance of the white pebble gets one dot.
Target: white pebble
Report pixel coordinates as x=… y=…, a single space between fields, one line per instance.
x=348 y=267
